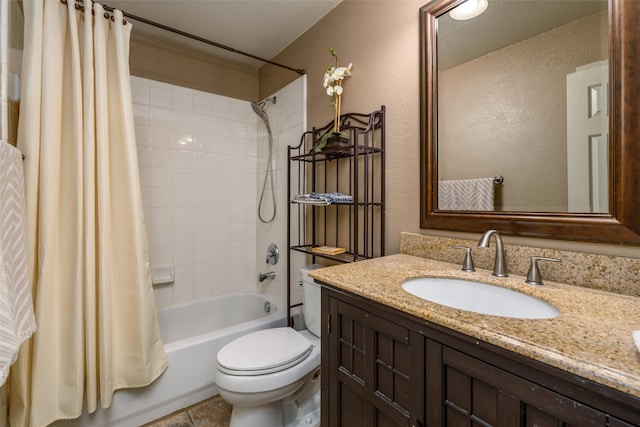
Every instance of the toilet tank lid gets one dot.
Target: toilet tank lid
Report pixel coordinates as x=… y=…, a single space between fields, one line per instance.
x=304 y=271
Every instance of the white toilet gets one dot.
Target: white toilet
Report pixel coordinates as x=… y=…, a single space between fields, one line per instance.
x=272 y=376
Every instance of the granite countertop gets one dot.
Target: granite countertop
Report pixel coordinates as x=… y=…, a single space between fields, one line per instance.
x=591 y=337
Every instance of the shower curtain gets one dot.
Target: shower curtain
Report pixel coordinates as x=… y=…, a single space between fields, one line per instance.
x=88 y=260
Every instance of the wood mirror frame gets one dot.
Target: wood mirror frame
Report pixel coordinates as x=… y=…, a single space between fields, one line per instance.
x=622 y=224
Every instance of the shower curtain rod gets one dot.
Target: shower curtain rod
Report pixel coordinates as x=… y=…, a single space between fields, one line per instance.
x=200 y=39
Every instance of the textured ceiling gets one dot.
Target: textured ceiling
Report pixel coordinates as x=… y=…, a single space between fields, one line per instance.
x=260 y=27
x=506 y=22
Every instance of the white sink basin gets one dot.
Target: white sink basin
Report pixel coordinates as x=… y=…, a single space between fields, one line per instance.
x=480 y=298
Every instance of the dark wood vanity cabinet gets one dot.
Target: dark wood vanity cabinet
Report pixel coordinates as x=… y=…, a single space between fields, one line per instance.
x=473 y=392
x=382 y=367
x=375 y=375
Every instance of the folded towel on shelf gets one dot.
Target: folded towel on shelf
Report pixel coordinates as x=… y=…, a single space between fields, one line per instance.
x=322 y=198
x=466 y=195
x=328 y=250
x=307 y=199
x=17 y=320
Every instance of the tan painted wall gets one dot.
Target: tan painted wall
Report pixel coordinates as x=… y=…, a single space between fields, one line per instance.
x=167 y=63
x=381 y=39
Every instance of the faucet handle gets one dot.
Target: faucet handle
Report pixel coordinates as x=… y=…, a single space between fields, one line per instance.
x=467 y=264
x=533 y=276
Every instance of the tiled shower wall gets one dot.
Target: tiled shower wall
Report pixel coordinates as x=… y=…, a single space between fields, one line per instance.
x=287 y=118
x=197 y=157
x=202 y=159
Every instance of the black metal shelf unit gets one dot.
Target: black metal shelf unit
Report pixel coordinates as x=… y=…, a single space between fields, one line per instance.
x=355 y=169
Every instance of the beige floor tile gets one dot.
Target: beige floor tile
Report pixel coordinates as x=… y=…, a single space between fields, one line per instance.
x=180 y=419
x=214 y=412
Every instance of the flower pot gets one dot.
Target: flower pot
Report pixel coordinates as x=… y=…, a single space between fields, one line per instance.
x=337 y=146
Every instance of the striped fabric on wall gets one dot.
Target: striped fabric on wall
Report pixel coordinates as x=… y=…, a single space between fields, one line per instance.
x=466 y=195
x=17 y=320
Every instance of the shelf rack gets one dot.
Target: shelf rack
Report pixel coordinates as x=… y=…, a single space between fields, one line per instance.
x=355 y=169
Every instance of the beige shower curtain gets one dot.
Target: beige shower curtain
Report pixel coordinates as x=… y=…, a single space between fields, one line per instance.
x=94 y=304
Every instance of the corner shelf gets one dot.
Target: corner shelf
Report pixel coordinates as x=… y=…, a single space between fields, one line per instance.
x=357 y=170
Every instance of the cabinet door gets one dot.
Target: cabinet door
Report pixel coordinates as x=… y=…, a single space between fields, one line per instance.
x=475 y=393
x=376 y=375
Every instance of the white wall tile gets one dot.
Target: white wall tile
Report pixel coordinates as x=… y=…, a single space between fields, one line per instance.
x=182 y=159
x=183 y=178
x=202 y=124
x=183 y=235
x=141 y=114
x=183 y=255
x=182 y=121
x=159 y=157
x=140 y=91
x=160 y=198
x=183 y=197
x=160 y=95
x=160 y=117
x=203 y=103
x=161 y=177
x=199 y=164
x=182 y=99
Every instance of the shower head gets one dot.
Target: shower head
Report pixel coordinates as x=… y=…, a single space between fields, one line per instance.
x=258 y=108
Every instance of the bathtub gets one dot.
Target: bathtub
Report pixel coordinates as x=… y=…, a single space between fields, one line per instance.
x=192 y=335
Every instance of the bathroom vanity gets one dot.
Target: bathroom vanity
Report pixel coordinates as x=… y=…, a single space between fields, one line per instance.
x=392 y=359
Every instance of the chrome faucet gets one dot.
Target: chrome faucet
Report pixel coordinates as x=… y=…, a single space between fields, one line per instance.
x=264 y=276
x=499 y=267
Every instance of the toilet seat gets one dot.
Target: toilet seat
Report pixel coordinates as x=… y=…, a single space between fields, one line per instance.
x=264 y=352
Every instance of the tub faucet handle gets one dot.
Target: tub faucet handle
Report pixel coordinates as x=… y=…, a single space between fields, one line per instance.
x=467 y=264
x=273 y=254
x=533 y=276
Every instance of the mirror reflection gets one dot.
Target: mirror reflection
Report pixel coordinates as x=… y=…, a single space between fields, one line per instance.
x=522 y=117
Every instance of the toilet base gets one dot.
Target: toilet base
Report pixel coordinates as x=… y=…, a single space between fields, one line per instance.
x=300 y=414
x=303 y=413
x=301 y=409
x=263 y=415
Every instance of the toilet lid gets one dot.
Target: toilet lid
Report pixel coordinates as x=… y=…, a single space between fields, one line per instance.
x=265 y=351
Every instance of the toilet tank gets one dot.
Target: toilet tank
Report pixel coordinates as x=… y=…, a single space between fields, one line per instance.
x=311 y=299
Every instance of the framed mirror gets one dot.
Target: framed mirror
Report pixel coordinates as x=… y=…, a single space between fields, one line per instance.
x=507 y=136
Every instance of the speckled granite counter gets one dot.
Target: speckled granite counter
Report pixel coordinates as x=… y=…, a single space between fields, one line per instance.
x=592 y=336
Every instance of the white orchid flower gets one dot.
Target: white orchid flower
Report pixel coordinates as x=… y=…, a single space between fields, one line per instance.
x=333 y=78
x=339 y=73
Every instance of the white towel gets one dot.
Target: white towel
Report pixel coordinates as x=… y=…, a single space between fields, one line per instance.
x=466 y=195
x=17 y=320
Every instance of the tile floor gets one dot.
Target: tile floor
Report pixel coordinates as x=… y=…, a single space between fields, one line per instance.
x=213 y=412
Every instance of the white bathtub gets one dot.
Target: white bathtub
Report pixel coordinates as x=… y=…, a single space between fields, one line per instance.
x=192 y=335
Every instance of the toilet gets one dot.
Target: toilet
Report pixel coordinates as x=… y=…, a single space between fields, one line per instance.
x=272 y=376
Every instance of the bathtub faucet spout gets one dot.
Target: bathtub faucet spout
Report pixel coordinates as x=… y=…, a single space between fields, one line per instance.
x=264 y=276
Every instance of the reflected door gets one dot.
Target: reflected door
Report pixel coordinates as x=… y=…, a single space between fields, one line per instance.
x=587 y=138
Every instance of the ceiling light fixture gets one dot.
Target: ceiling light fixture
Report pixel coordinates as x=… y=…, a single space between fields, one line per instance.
x=469 y=9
